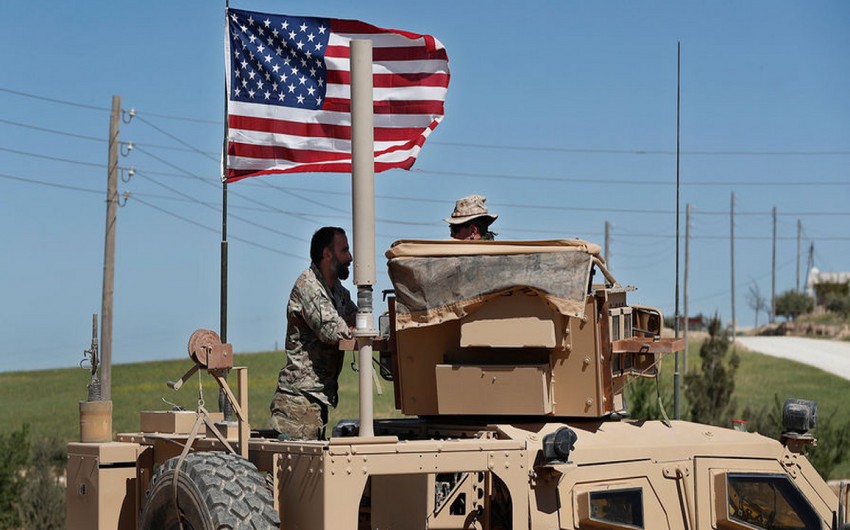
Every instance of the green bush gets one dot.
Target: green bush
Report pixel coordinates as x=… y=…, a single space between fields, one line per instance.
x=42 y=502
x=709 y=390
x=31 y=495
x=838 y=303
x=792 y=304
x=14 y=455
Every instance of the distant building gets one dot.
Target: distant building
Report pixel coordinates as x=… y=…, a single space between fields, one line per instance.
x=819 y=284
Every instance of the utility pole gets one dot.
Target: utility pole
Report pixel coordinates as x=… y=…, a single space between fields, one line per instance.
x=732 y=255
x=799 y=237
x=109 y=251
x=685 y=297
x=607 y=239
x=676 y=404
x=773 y=273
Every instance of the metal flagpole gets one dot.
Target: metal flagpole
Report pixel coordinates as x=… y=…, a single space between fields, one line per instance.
x=223 y=403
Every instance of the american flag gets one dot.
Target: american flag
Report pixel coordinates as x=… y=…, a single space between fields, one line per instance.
x=288 y=85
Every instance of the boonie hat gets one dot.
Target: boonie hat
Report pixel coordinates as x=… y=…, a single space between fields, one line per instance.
x=469 y=208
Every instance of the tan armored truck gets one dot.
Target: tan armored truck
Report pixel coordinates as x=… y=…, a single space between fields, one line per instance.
x=509 y=361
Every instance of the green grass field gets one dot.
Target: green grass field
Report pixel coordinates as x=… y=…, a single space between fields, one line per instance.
x=48 y=400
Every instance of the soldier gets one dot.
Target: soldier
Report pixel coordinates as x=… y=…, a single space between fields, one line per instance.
x=319 y=313
x=470 y=219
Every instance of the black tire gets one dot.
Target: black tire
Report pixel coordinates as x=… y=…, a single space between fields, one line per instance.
x=214 y=491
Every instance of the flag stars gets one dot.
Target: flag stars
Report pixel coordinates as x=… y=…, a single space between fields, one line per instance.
x=262 y=71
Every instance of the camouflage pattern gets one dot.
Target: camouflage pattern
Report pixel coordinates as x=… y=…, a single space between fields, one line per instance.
x=298 y=417
x=317 y=318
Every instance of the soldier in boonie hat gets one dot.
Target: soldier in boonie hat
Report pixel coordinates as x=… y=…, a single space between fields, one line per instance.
x=471 y=219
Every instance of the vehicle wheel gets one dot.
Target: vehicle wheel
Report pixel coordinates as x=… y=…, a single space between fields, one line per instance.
x=214 y=490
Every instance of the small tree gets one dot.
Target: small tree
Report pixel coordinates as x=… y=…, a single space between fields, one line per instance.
x=14 y=454
x=756 y=300
x=792 y=304
x=838 y=303
x=709 y=391
x=42 y=501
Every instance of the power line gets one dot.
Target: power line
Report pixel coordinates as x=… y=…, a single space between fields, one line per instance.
x=51 y=184
x=176 y=139
x=54 y=158
x=54 y=100
x=502 y=147
x=667 y=152
x=207 y=228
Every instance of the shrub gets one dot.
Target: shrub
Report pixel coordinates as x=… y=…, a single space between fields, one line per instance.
x=792 y=304
x=709 y=391
x=14 y=455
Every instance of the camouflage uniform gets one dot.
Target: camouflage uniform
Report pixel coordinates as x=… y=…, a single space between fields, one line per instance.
x=317 y=318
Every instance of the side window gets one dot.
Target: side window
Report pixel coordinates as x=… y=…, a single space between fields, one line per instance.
x=614 y=508
x=763 y=501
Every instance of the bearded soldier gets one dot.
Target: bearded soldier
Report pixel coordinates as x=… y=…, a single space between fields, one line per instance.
x=319 y=313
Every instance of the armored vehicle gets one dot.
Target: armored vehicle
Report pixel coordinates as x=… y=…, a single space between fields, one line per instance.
x=509 y=361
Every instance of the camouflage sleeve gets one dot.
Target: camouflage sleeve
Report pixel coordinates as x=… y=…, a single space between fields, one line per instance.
x=349 y=314
x=320 y=315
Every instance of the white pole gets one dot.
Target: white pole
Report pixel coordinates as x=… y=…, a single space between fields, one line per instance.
x=363 y=207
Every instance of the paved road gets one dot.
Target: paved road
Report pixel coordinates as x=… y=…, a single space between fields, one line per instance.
x=828 y=355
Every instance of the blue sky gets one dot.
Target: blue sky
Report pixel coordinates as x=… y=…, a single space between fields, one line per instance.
x=562 y=113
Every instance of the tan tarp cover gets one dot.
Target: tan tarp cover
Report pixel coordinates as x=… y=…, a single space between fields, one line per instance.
x=438 y=281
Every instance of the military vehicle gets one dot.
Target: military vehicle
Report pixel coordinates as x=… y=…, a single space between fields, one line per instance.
x=511 y=361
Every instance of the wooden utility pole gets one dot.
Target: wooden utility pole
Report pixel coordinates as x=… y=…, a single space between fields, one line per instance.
x=109 y=252
x=773 y=273
x=732 y=257
x=607 y=239
x=799 y=237
x=685 y=296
